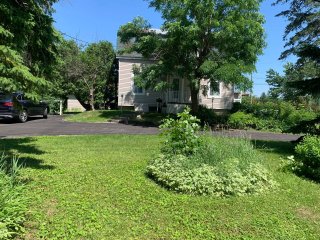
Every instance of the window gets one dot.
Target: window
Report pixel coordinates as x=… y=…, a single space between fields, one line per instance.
x=135 y=89
x=214 y=89
x=175 y=88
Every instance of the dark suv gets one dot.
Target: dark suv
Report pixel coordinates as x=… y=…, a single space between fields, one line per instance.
x=16 y=106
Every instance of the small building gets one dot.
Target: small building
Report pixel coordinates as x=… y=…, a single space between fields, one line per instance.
x=73 y=105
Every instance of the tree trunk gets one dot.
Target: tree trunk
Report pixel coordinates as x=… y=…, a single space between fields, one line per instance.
x=194 y=99
x=91 y=100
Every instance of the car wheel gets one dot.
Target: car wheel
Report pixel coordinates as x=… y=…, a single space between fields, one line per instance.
x=45 y=113
x=23 y=116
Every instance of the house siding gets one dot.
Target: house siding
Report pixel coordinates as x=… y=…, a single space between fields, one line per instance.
x=126 y=97
x=223 y=101
x=143 y=102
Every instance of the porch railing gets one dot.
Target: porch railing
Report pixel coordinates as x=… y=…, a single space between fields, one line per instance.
x=178 y=97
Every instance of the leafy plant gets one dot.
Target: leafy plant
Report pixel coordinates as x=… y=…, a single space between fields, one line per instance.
x=271 y=115
x=308 y=155
x=223 y=167
x=13 y=202
x=194 y=164
x=242 y=120
x=181 y=134
x=207 y=116
x=310 y=126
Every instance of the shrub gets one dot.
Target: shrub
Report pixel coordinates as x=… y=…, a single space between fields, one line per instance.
x=53 y=104
x=242 y=120
x=218 y=170
x=308 y=157
x=298 y=116
x=207 y=116
x=310 y=126
x=12 y=200
x=181 y=134
x=237 y=106
x=204 y=165
x=272 y=115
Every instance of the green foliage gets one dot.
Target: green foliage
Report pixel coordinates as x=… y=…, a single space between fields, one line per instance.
x=181 y=134
x=302 y=26
x=207 y=116
x=195 y=164
x=299 y=79
x=94 y=187
x=310 y=126
x=272 y=115
x=85 y=72
x=98 y=116
x=222 y=167
x=27 y=46
x=242 y=120
x=302 y=40
x=97 y=60
x=53 y=105
x=13 y=202
x=207 y=39
x=15 y=76
x=308 y=157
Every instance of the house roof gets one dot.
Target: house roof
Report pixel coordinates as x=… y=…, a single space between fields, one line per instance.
x=134 y=55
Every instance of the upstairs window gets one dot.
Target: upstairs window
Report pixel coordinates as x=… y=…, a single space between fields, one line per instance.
x=135 y=89
x=214 y=89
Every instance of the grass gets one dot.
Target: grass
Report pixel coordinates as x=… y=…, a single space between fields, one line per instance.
x=153 y=119
x=94 y=187
x=97 y=116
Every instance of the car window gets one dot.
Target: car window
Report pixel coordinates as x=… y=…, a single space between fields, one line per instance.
x=5 y=96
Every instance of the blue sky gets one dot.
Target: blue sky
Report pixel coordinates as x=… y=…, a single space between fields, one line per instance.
x=95 y=20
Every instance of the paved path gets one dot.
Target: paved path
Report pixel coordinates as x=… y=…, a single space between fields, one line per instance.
x=55 y=125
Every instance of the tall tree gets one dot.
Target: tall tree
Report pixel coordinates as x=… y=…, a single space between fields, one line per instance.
x=280 y=85
x=27 y=45
x=218 y=40
x=302 y=39
x=86 y=72
x=98 y=59
x=68 y=69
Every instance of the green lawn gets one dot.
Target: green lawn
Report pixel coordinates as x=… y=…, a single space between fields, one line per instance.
x=96 y=116
x=107 y=115
x=94 y=187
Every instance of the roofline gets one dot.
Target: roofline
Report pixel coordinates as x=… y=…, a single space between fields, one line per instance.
x=135 y=58
x=130 y=57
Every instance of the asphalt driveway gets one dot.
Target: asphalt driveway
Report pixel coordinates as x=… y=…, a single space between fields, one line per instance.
x=55 y=125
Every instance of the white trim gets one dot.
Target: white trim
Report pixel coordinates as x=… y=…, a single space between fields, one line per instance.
x=214 y=96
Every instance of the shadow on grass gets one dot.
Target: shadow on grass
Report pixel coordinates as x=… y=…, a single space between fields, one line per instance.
x=28 y=162
x=71 y=113
x=151 y=119
x=17 y=146
x=280 y=147
x=110 y=114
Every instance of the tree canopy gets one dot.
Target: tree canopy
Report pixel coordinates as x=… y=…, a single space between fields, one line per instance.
x=86 y=72
x=216 y=40
x=302 y=40
x=281 y=85
x=27 y=45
